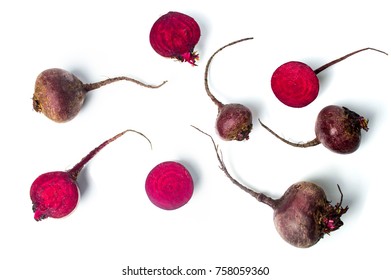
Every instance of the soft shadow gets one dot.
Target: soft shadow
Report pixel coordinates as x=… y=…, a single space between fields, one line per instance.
x=82 y=181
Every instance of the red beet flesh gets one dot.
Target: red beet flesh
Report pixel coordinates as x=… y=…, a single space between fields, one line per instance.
x=302 y=215
x=234 y=121
x=337 y=128
x=169 y=185
x=296 y=85
x=60 y=95
x=175 y=35
x=56 y=194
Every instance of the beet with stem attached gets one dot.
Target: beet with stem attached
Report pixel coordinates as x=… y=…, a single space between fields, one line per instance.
x=295 y=83
x=234 y=121
x=169 y=185
x=302 y=215
x=59 y=94
x=56 y=194
x=337 y=128
x=175 y=35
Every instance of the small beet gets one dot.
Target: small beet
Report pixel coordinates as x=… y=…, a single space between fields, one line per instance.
x=169 y=185
x=295 y=83
x=56 y=194
x=337 y=128
x=175 y=35
x=59 y=94
x=234 y=121
x=302 y=215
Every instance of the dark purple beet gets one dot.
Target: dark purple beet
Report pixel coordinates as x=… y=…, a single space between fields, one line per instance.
x=234 y=121
x=303 y=215
x=337 y=128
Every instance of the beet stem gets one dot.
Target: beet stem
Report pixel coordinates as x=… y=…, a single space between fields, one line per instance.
x=259 y=196
x=327 y=65
x=74 y=171
x=311 y=143
x=214 y=99
x=93 y=86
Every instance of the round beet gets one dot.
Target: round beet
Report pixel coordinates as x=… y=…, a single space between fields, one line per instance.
x=56 y=194
x=59 y=94
x=234 y=121
x=337 y=128
x=175 y=35
x=169 y=185
x=296 y=85
x=303 y=215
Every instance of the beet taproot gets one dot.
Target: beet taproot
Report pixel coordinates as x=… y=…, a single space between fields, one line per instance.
x=234 y=120
x=302 y=215
x=60 y=95
x=336 y=127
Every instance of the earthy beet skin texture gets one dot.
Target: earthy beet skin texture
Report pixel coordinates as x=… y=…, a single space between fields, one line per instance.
x=169 y=185
x=175 y=35
x=60 y=95
x=234 y=121
x=296 y=85
x=336 y=127
x=303 y=215
x=56 y=194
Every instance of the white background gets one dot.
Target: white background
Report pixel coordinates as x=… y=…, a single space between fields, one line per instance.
x=115 y=225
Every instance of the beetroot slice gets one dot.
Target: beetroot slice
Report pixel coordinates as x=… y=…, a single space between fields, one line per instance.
x=295 y=84
x=169 y=185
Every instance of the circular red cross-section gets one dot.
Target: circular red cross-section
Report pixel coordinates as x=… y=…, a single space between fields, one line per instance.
x=169 y=185
x=295 y=84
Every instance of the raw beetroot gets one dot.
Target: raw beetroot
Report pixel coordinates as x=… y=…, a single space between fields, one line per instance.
x=295 y=83
x=234 y=121
x=302 y=215
x=59 y=94
x=175 y=35
x=169 y=185
x=336 y=127
x=56 y=194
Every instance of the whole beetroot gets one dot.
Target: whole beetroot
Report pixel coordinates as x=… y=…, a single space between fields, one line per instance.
x=336 y=127
x=234 y=121
x=174 y=35
x=59 y=94
x=303 y=215
x=56 y=194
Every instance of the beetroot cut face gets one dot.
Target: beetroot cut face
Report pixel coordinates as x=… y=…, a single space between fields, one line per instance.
x=303 y=215
x=175 y=35
x=56 y=194
x=234 y=121
x=169 y=185
x=296 y=85
x=60 y=95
